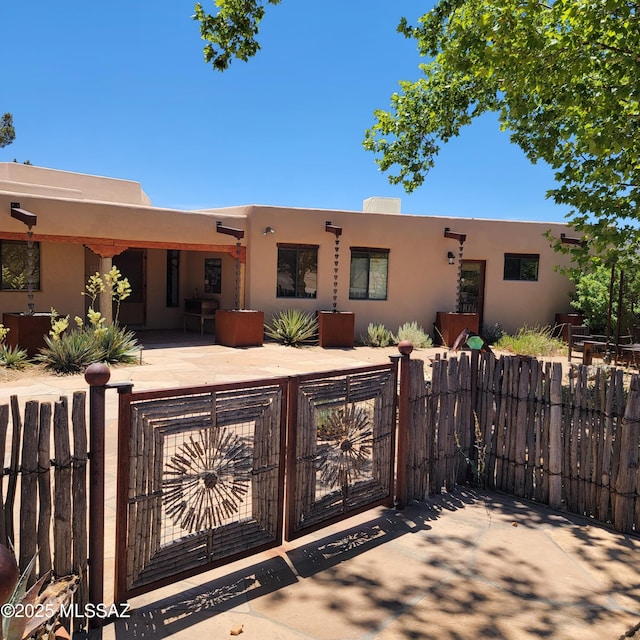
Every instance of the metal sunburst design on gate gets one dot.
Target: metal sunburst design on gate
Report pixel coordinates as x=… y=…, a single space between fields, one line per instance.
x=344 y=459
x=207 y=479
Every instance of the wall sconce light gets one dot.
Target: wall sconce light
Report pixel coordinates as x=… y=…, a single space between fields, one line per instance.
x=268 y=230
x=451 y=257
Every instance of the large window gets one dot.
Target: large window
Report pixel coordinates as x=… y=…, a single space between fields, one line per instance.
x=521 y=266
x=369 y=270
x=297 y=271
x=20 y=265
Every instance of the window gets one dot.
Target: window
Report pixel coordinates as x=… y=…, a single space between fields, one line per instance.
x=213 y=275
x=297 y=271
x=20 y=265
x=173 y=278
x=368 y=278
x=521 y=266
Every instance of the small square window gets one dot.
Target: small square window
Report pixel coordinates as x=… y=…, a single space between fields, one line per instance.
x=521 y=266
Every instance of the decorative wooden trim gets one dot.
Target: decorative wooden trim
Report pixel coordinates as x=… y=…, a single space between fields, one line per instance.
x=119 y=245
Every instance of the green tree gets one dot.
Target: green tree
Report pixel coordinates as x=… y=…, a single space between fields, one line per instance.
x=231 y=32
x=562 y=77
x=7 y=132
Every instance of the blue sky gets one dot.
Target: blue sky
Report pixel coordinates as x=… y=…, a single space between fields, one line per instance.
x=120 y=89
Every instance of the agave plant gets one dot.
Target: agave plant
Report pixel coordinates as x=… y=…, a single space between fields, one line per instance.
x=292 y=327
x=13 y=357
x=69 y=353
x=117 y=345
x=39 y=605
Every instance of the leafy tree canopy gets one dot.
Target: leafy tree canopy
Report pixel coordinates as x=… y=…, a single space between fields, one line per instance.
x=231 y=32
x=7 y=132
x=562 y=77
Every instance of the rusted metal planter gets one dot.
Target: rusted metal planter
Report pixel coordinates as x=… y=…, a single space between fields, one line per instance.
x=27 y=331
x=336 y=328
x=449 y=325
x=239 y=328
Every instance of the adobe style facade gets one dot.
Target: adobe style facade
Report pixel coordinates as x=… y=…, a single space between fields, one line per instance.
x=391 y=267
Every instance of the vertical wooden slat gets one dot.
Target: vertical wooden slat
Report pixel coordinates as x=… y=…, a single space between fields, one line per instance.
x=79 y=500
x=4 y=425
x=29 y=487
x=520 y=429
x=555 y=437
x=62 y=490
x=44 y=489
x=14 y=468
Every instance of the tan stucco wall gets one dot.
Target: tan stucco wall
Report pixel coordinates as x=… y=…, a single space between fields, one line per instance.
x=22 y=178
x=421 y=282
x=83 y=219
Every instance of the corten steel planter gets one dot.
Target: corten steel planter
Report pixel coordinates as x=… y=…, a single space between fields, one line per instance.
x=450 y=325
x=336 y=328
x=27 y=331
x=239 y=328
x=563 y=320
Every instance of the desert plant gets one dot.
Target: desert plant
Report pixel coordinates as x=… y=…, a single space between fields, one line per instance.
x=377 y=336
x=492 y=333
x=70 y=352
x=39 y=606
x=415 y=334
x=292 y=327
x=116 y=345
x=13 y=357
x=532 y=341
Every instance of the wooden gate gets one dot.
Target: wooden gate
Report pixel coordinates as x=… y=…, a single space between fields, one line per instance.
x=200 y=480
x=201 y=471
x=341 y=446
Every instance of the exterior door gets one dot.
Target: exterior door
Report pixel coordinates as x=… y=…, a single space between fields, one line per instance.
x=132 y=264
x=472 y=287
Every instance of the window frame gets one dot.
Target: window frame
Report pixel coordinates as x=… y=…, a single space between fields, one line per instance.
x=521 y=258
x=368 y=251
x=298 y=248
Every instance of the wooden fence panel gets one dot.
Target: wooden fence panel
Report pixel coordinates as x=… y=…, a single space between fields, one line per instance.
x=48 y=509
x=569 y=447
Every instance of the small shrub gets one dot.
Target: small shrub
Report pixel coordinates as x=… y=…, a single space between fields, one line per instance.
x=411 y=331
x=292 y=327
x=13 y=357
x=492 y=333
x=69 y=352
x=377 y=336
x=532 y=341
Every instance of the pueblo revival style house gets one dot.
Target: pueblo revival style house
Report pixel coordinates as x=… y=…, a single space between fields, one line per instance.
x=390 y=268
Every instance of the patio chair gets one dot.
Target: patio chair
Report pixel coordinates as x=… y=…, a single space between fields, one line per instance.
x=576 y=335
